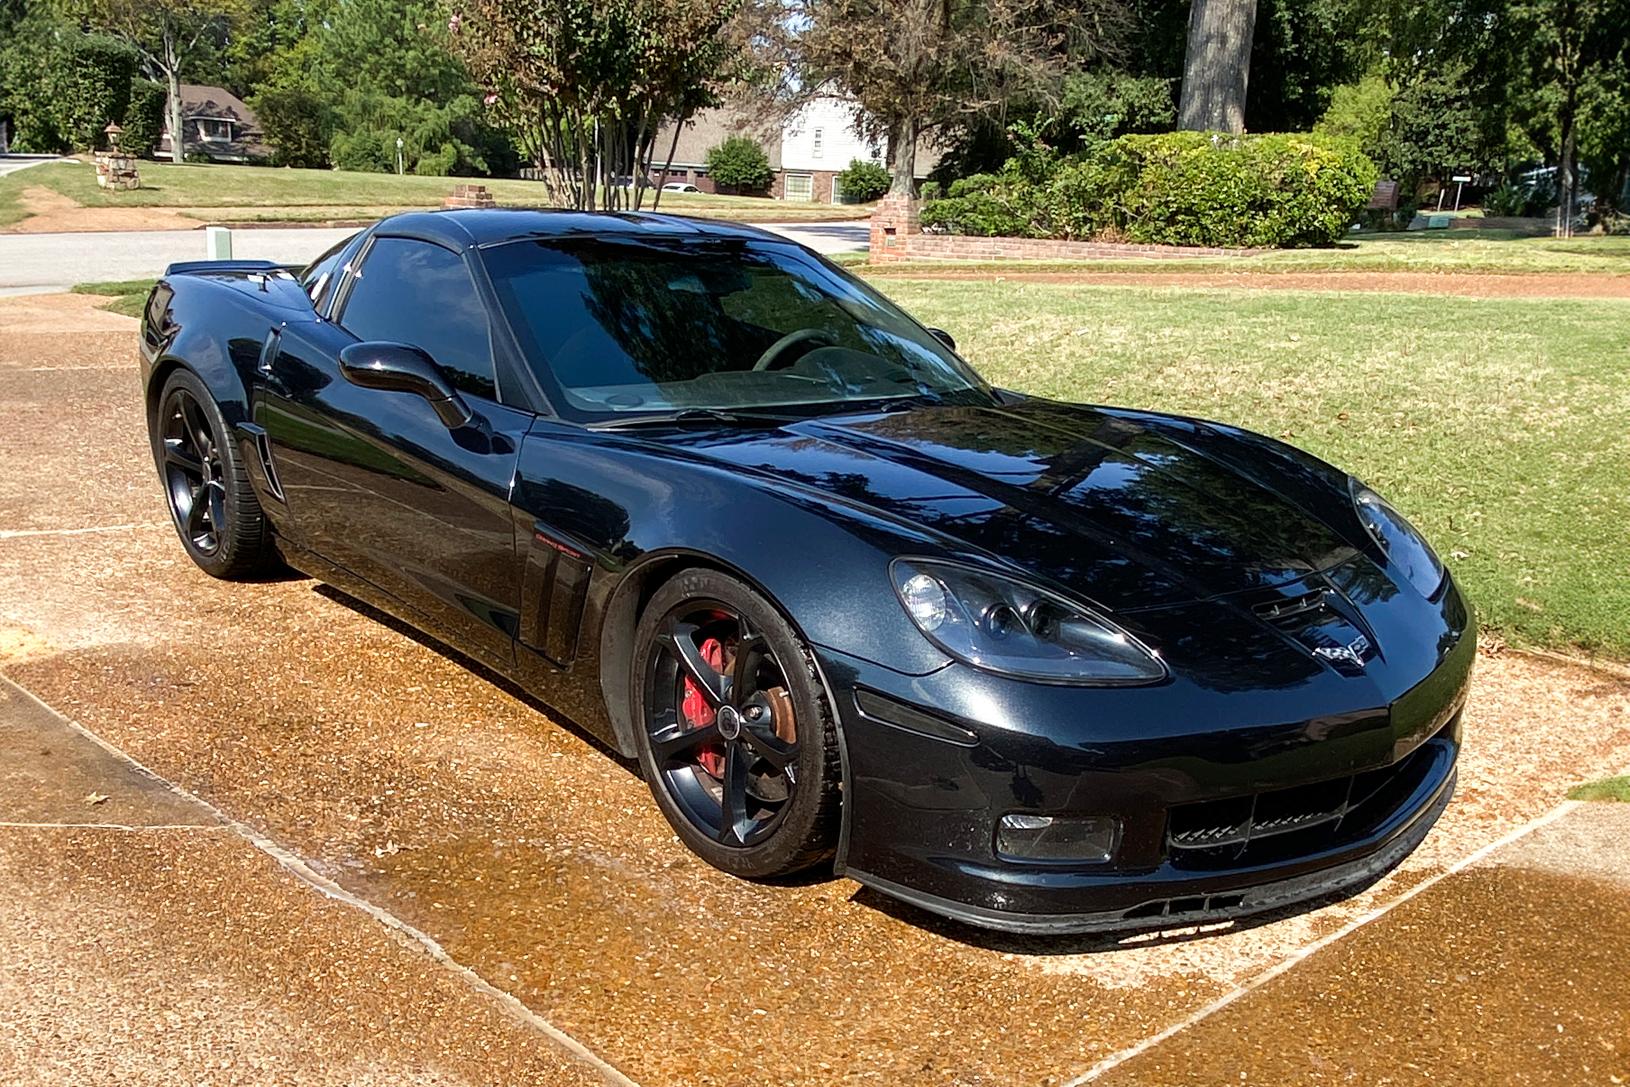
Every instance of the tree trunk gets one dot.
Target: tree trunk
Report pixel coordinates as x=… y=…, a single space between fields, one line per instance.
x=1217 y=65
x=903 y=156
x=673 y=147
x=1566 y=175
x=178 y=139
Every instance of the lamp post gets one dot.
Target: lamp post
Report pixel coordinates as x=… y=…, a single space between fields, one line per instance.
x=398 y=156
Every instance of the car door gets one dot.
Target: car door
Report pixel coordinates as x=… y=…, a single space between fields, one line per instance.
x=373 y=480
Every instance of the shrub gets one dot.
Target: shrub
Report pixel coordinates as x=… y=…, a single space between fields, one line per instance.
x=1178 y=188
x=144 y=120
x=295 y=122
x=739 y=164
x=91 y=87
x=864 y=181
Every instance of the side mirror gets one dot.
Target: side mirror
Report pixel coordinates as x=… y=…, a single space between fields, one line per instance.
x=943 y=337
x=398 y=367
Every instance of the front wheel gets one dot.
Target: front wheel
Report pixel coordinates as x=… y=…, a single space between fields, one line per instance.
x=735 y=738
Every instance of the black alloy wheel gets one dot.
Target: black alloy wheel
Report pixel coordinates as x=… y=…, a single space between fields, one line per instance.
x=736 y=742
x=206 y=487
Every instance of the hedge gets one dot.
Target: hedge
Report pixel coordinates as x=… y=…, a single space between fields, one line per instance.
x=1176 y=188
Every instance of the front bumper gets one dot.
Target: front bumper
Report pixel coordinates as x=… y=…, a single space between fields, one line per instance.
x=1231 y=802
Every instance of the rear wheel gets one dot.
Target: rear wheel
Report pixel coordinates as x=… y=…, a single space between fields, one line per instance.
x=211 y=502
x=736 y=740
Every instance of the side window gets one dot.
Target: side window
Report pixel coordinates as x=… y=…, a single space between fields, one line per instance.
x=421 y=294
x=321 y=274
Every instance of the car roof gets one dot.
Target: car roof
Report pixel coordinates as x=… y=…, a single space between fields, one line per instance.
x=462 y=228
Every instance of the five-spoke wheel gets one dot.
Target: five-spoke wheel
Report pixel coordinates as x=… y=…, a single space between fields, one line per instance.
x=211 y=500
x=736 y=742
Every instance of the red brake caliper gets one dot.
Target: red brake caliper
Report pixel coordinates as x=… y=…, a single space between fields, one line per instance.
x=698 y=714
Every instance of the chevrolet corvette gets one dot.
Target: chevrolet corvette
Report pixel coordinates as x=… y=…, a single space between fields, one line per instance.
x=1035 y=666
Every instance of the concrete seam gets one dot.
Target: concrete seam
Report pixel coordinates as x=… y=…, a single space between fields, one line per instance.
x=1120 y=1057
x=297 y=867
x=12 y=825
x=18 y=533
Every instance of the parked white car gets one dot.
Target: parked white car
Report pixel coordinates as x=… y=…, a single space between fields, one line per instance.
x=680 y=186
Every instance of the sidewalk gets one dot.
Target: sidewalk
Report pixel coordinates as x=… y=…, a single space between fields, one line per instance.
x=1512 y=971
x=143 y=940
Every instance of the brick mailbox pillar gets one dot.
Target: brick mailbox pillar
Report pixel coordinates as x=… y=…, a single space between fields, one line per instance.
x=895 y=220
x=469 y=196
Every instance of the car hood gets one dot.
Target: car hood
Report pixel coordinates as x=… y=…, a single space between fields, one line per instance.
x=1129 y=510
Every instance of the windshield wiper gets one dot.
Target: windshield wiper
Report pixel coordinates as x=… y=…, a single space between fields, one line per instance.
x=692 y=415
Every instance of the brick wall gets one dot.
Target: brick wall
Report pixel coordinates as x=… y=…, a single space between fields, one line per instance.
x=897 y=235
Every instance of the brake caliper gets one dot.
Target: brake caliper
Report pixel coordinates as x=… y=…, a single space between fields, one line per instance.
x=699 y=714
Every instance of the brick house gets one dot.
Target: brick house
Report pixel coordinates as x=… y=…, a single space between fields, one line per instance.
x=215 y=123
x=807 y=151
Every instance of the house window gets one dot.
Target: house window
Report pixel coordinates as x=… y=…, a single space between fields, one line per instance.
x=815 y=146
x=800 y=187
x=214 y=130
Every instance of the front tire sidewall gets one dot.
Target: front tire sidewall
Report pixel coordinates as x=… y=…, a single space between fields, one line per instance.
x=807 y=833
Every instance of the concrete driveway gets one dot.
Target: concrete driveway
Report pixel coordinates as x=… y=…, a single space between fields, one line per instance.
x=353 y=858
x=55 y=262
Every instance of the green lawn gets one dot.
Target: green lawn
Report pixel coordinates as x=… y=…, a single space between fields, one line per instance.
x=124 y=296
x=1418 y=251
x=1502 y=428
x=1607 y=789
x=336 y=194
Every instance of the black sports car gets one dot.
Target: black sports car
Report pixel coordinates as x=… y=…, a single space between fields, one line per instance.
x=1033 y=665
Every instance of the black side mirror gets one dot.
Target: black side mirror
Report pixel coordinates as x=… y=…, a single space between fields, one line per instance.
x=399 y=367
x=943 y=337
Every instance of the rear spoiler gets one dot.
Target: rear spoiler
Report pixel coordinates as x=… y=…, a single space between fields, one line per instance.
x=229 y=267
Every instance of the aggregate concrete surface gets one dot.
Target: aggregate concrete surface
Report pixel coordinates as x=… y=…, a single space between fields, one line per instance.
x=444 y=802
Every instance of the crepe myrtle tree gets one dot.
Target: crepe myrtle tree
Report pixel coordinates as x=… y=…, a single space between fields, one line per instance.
x=917 y=67
x=168 y=35
x=584 y=85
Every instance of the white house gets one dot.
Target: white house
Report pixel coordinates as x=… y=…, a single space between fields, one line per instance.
x=811 y=146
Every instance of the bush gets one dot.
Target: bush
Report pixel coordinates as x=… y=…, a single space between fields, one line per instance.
x=864 y=181
x=739 y=164
x=1178 y=188
x=90 y=88
x=295 y=122
x=144 y=120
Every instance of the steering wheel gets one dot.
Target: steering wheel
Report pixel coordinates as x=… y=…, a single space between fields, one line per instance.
x=774 y=352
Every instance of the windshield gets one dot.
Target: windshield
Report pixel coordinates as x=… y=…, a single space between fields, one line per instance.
x=615 y=326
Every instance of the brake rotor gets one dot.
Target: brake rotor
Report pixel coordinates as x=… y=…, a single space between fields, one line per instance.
x=781 y=714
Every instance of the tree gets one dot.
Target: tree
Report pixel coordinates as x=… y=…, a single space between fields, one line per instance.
x=918 y=67
x=1217 y=65
x=739 y=164
x=166 y=33
x=1561 y=48
x=584 y=85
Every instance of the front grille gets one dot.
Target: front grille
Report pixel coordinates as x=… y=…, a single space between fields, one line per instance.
x=1285 y=823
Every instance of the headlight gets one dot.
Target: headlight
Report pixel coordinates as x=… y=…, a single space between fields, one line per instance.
x=1399 y=540
x=994 y=622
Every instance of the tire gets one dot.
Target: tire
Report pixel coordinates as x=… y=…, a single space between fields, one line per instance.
x=736 y=740
x=212 y=504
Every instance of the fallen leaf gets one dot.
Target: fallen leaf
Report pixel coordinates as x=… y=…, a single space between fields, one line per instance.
x=95 y=798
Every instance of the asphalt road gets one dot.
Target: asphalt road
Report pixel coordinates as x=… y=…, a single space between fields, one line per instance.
x=377 y=865
x=32 y=263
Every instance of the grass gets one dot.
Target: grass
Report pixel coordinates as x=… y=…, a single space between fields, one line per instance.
x=1607 y=789
x=259 y=192
x=124 y=296
x=1501 y=427
x=1472 y=251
